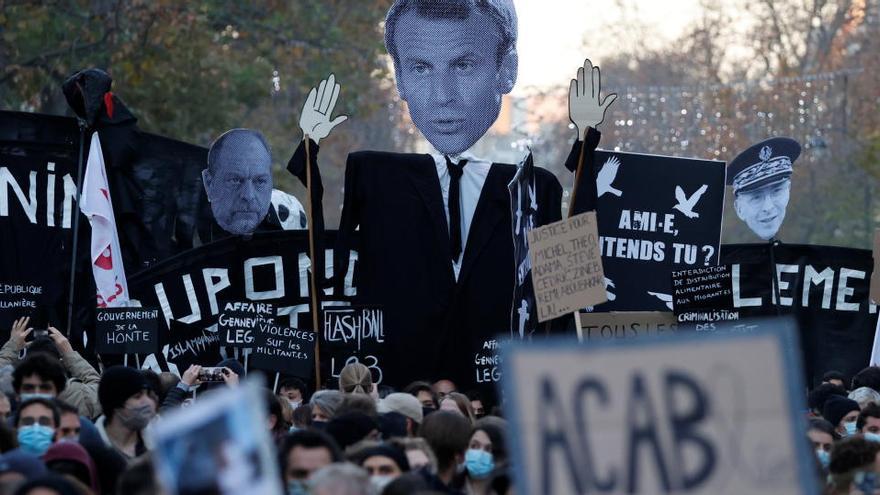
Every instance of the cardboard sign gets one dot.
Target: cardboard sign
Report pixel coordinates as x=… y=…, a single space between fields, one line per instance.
x=566 y=266
x=703 y=295
x=238 y=321
x=656 y=415
x=126 y=330
x=284 y=350
x=352 y=335
x=218 y=445
x=625 y=325
x=875 y=275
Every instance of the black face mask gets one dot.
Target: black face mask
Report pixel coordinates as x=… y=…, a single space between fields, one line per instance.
x=319 y=425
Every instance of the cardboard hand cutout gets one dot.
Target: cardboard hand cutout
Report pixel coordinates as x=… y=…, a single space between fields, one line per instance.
x=586 y=107
x=314 y=120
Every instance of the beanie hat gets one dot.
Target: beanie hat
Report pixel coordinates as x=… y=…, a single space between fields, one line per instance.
x=405 y=404
x=350 y=428
x=392 y=452
x=118 y=384
x=837 y=407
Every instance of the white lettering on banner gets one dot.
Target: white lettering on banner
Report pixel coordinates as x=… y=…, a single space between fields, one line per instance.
x=250 y=265
x=811 y=277
x=216 y=279
x=30 y=202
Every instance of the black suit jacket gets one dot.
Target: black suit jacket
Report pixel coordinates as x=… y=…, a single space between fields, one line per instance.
x=434 y=325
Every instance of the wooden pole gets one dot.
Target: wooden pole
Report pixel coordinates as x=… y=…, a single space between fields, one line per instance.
x=313 y=288
x=577 y=181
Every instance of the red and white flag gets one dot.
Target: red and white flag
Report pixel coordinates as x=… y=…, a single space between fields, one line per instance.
x=106 y=255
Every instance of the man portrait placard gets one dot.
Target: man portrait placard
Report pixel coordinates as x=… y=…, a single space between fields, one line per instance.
x=435 y=250
x=761 y=180
x=238 y=180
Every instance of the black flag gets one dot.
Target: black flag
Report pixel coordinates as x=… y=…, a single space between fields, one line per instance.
x=524 y=217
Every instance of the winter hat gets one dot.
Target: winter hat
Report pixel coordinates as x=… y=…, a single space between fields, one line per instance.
x=390 y=451
x=402 y=403
x=350 y=428
x=28 y=465
x=118 y=384
x=72 y=451
x=837 y=407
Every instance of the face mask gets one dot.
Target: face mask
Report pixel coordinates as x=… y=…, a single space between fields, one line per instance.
x=27 y=397
x=872 y=437
x=136 y=419
x=824 y=458
x=297 y=487
x=379 y=482
x=479 y=463
x=35 y=439
x=294 y=404
x=850 y=428
x=319 y=425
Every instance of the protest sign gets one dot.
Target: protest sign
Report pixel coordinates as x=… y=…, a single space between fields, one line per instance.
x=524 y=216
x=352 y=335
x=126 y=330
x=875 y=274
x=657 y=214
x=566 y=268
x=825 y=288
x=238 y=321
x=188 y=344
x=283 y=350
x=702 y=296
x=625 y=325
x=17 y=300
x=655 y=415
x=218 y=445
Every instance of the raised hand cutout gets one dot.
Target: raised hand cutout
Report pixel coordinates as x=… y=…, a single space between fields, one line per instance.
x=315 y=118
x=586 y=107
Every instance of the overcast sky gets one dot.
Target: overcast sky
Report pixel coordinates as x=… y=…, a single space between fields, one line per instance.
x=551 y=32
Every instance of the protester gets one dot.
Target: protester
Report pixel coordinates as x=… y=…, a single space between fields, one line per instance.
x=406 y=484
x=442 y=388
x=407 y=406
x=357 y=402
x=301 y=454
x=128 y=409
x=355 y=378
x=418 y=454
x=71 y=425
x=350 y=428
x=42 y=376
x=867 y=377
x=424 y=393
x=341 y=479
x=138 y=479
x=477 y=404
x=71 y=459
x=850 y=457
x=868 y=423
x=835 y=378
x=301 y=418
x=448 y=434
x=486 y=455
x=5 y=407
x=864 y=396
x=293 y=390
x=17 y=467
x=36 y=421
x=822 y=435
x=842 y=413
x=817 y=397
x=324 y=405
x=275 y=421
x=457 y=402
x=383 y=463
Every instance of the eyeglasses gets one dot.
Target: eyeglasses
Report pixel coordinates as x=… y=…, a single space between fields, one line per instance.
x=30 y=420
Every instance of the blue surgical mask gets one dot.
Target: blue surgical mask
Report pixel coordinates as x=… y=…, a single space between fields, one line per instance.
x=27 y=397
x=850 y=428
x=872 y=437
x=35 y=439
x=297 y=487
x=824 y=458
x=479 y=463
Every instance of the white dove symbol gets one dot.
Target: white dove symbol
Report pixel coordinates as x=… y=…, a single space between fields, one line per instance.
x=607 y=176
x=686 y=205
x=667 y=298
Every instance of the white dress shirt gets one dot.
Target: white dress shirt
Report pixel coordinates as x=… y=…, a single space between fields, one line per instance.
x=472 y=180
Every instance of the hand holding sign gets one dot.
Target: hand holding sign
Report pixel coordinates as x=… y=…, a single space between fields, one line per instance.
x=315 y=117
x=586 y=108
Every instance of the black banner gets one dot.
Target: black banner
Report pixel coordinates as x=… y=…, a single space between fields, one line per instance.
x=126 y=330
x=825 y=288
x=186 y=345
x=657 y=214
x=524 y=216
x=352 y=335
x=283 y=350
x=238 y=322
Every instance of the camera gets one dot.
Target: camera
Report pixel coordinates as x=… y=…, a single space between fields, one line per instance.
x=212 y=374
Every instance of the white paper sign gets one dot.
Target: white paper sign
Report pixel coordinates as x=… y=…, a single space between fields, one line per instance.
x=684 y=414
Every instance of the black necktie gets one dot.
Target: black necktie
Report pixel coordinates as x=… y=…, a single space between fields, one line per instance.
x=455 y=172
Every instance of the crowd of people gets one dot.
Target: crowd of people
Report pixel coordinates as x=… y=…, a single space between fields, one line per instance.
x=71 y=429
